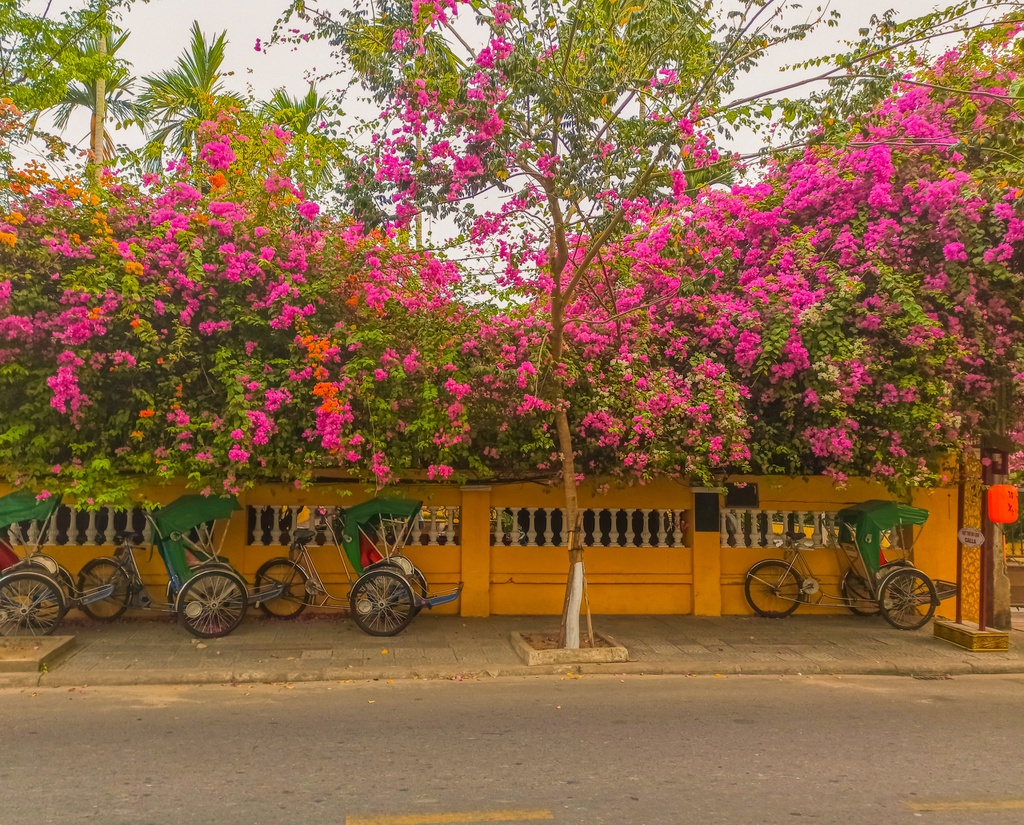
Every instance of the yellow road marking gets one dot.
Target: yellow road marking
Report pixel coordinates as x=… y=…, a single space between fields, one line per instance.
x=995 y=805
x=447 y=819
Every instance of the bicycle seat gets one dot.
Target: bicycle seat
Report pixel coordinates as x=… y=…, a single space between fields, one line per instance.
x=303 y=534
x=795 y=535
x=133 y=538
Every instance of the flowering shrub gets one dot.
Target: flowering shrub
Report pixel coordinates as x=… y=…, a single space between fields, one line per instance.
x=200 y=324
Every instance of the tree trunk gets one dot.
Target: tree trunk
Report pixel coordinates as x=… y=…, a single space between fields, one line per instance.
x=569 y=637
x=99 y=118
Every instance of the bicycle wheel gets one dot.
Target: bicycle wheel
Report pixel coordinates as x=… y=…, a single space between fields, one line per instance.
x=212 y=603
x=857 y=594
x=907 y=598
x=98 y=573
x=382 y=602
x=292 y=601
x=31 y=604
x=773 y=589
x=411 y=573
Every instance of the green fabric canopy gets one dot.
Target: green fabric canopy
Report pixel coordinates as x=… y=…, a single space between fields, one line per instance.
x=368 y=513
x=24 y=506
x=179 y=517
x=862 y=525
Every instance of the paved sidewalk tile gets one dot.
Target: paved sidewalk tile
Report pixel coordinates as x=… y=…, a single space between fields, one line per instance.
x=332 y=647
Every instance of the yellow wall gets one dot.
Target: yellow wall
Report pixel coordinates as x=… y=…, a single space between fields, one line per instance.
x=701 y=577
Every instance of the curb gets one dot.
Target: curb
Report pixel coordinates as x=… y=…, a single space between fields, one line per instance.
x=683 y=669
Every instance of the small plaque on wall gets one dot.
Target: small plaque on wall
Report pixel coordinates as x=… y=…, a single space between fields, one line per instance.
x=742 y=495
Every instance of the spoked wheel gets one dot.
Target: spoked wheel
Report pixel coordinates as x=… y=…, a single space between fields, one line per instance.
x=773 y=589
x=907 y=598
x=857 y=594
x=411 y=573
x=285 y=572
x=212 y=603
x=31 y=604
x=382 y=602
x=98 y=573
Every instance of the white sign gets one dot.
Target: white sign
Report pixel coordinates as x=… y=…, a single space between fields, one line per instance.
x=971 y=537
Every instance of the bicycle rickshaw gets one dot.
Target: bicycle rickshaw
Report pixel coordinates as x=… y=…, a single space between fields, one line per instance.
x=208 y=595
x=873 y=544
x=35 y=590
x=388 y=589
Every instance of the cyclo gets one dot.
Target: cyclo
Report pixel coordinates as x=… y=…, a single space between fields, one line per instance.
x=873 y=544
x=388 y=589
x=208 y=595
x=35 y=590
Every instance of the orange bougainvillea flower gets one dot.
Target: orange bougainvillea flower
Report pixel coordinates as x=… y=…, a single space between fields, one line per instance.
x=217 y=180
x=95 y=313
x=146 y=414
x=133 y=268
x=8 y=239
x=15 y=218
x=135 y=323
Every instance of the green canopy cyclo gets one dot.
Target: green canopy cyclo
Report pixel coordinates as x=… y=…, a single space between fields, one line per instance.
x=370 y=539
x=874 y=528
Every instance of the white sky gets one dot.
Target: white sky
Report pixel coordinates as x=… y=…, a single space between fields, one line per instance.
x=160 y=32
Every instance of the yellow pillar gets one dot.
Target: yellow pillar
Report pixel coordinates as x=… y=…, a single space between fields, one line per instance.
x=475 y=517
x=705 y=539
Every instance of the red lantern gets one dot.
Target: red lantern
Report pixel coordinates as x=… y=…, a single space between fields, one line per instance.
x=1002 y=504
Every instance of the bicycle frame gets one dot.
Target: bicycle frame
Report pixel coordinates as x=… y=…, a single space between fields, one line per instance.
x=811 y=582
x=317 y=592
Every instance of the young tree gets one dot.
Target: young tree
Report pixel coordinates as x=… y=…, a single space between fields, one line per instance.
x=120 y=106
x=572 y=119
x=177 y=100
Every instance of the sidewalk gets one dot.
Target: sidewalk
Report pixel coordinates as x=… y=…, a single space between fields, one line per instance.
x=144 y=651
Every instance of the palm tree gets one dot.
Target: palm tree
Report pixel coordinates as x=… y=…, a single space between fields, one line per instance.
x=317 y=153
x=179 y=99
x=297 y=114
x=118 y=93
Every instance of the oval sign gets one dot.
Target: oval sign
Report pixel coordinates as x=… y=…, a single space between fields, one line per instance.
x=971 y=537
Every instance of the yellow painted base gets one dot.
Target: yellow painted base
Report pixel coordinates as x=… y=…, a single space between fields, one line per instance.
x=969 y=637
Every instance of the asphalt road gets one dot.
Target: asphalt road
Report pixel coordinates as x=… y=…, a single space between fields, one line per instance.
x=572 y=750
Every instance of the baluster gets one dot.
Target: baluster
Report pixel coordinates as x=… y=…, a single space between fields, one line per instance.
x=432 y=530
x=833 y=528
x=51 y=530
x=531 y=526
x=543 y=539
x=645 y=528
x=659 y=535
x=448 y=532
x=275 y=524
x=90 y=529
x=677 y=527
x=817 y=534
x=256 y=539
x=758 y=520
x=33 y=532
x=723 y=518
